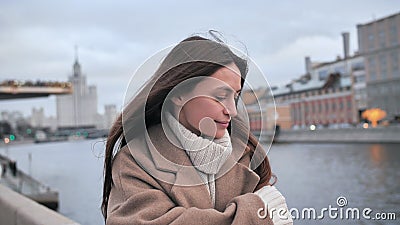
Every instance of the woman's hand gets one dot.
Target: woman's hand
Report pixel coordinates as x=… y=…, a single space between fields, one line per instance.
x=275 y=204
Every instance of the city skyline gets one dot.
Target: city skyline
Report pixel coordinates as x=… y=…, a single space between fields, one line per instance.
x=277 y=37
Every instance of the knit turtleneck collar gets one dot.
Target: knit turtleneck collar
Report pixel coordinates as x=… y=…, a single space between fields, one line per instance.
x=207 y=155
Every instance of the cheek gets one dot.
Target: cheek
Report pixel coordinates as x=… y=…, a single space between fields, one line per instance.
x=196 y=110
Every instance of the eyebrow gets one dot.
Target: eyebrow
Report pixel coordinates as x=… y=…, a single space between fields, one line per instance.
x=228 y=89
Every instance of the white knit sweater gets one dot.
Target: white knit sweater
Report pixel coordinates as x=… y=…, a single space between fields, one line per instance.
x=207 y=155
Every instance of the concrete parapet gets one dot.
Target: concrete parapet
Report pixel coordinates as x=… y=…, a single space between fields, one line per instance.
x=345 y=135
x=16 y=209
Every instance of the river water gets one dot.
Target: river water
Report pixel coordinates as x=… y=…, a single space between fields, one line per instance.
x=309 y=176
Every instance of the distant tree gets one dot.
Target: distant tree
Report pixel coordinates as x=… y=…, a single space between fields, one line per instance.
x=5 y=128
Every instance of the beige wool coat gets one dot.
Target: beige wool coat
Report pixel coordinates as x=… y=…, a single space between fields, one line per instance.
x=153 y=185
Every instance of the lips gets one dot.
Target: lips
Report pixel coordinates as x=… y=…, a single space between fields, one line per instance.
x=224 y=124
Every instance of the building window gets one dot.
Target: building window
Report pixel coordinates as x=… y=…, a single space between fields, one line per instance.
x=371 y=37
x=326 y=106
x=360 y=79
x=372 y=75
x=383 y=90
x=395 y=63
x=372 y=91
x=382 y=39
x=348 y=104
x=357 y=66
x=293 y=112
x=333 y=106
x=363 y=93
x=393 y=34
x=340 y=69
x=298 y=112
x=341 y=105
x=383 y=66
x=396 y=91
x=372 y=68
x=371 y=41
x=371 y=62
x=323 y=74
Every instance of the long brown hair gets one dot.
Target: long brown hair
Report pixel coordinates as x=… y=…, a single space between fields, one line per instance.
x=193 y=57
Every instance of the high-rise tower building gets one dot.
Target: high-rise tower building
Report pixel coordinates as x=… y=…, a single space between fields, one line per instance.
x=78 y=109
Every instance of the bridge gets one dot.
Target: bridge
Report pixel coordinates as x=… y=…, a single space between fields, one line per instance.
x=12 y=89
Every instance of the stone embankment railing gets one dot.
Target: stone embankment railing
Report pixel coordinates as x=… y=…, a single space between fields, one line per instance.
x=344 y=135
x=16 y=209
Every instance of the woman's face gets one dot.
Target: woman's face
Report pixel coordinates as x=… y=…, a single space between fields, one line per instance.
x=208 y=109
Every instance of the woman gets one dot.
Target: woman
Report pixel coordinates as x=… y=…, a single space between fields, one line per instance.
x=181 y=153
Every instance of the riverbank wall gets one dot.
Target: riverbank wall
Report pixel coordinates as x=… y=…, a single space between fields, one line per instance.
x=345 y=135
x=16 y=209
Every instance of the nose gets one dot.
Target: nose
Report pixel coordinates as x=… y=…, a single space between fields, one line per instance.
x=230 y=108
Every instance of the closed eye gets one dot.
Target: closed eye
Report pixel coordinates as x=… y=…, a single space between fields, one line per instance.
x=227 y=93
x=220 y=98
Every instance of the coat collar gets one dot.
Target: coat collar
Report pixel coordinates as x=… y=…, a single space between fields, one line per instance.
x=165 y=149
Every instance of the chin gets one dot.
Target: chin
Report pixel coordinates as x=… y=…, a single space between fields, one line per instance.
x=220 y=134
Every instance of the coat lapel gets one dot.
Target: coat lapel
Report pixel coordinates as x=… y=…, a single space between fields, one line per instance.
x=187 y=189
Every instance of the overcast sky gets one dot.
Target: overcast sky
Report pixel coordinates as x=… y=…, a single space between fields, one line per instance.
x=37 y=38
